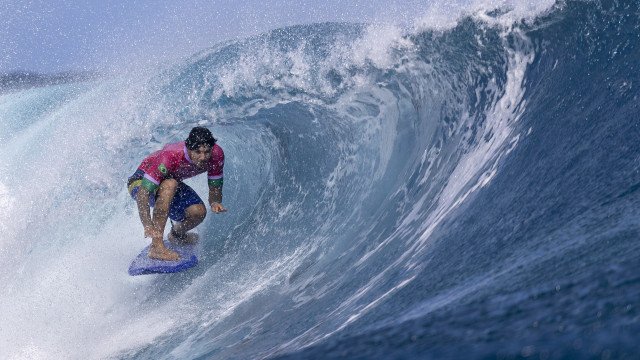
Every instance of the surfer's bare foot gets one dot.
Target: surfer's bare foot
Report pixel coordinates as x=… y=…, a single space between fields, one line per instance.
x=162 y=253
x=185 y=239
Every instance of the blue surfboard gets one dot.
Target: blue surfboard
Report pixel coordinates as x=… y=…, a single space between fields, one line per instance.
x=143 y=265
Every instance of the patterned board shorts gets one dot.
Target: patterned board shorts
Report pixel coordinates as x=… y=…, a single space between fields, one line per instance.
x=183 y=198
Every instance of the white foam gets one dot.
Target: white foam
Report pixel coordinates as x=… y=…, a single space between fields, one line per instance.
x=70 y=295
x=7 y=203
x=445 y=15
x=376 y=46
x=65 y=231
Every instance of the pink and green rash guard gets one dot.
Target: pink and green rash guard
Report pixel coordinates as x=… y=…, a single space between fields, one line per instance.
x=173 y=162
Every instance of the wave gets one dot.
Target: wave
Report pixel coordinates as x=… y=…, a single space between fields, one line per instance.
x=467 y=188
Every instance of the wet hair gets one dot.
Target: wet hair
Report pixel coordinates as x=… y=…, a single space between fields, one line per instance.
x=199 y=136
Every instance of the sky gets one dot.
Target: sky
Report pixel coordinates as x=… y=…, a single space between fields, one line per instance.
x=50 y=36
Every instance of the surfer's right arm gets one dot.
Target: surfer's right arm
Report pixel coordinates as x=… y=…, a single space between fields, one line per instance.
x=142 y=199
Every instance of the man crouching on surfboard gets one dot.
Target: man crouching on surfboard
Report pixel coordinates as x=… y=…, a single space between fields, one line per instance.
x=158 y=183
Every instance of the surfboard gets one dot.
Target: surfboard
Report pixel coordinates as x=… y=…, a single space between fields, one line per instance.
x=143 y=265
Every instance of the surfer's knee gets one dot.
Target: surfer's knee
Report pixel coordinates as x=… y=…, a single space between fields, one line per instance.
x=169 y=185
x=197 y=212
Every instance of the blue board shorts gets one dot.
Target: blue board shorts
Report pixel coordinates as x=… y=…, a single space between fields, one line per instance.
x=183 y=198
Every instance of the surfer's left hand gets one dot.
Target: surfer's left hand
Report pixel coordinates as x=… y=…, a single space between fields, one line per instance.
x=217 y=208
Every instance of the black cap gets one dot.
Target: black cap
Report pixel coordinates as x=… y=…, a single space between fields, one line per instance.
x=199 y=136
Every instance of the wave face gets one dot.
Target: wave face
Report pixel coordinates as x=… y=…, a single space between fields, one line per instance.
x=470 y=190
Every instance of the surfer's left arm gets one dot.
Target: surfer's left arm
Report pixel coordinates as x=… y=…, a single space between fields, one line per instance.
x=215 y=180
x=215 y=199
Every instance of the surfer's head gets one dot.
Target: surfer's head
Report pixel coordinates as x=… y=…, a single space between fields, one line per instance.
x=199 y=136
x=199 y=145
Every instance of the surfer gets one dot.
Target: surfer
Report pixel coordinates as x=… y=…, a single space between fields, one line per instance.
x=158 y=183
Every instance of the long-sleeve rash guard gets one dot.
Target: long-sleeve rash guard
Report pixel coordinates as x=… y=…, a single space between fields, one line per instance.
x=173 y=162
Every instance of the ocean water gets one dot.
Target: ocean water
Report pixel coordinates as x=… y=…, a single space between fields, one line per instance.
x=466 y=188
